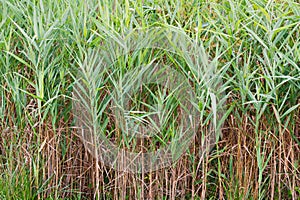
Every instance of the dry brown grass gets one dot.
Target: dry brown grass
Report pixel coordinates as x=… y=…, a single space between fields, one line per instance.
x=68 y=169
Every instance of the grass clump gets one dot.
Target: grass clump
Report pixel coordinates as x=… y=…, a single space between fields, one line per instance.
x=253 y=46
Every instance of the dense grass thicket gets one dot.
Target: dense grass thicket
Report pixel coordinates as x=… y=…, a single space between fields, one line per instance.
x=253 y=45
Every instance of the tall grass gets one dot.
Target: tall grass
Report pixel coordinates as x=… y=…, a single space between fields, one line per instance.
x=254 y=45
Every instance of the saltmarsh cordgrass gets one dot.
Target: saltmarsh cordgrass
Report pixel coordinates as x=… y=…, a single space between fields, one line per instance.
x=253 y=46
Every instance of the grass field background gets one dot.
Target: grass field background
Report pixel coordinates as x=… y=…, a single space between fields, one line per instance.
x=43 y=43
